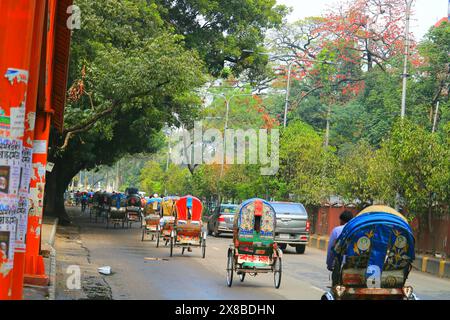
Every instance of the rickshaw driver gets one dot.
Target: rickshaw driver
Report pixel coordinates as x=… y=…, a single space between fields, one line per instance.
x=345 y=217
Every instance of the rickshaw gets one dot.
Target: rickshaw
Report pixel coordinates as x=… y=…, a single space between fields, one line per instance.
x=167 y=222
x=152 y=216
x=373 y=257
x=133 y=209
x=254 y=249
x=95 y=208
x=101 y=206
x=117 y=212
x=187 y=231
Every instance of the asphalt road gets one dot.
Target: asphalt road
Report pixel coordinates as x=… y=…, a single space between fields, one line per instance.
x=142 y=271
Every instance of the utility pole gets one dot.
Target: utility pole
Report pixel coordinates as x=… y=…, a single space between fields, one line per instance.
x=405 y=74
x=169 y=153
x=288 y=91
x=327 y=132
x=117 y=176
x=435 y=117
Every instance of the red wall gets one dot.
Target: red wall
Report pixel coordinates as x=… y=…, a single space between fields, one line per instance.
x=327 y=218
x=441 y=231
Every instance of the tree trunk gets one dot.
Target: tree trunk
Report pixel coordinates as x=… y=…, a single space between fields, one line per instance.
x=57 y=182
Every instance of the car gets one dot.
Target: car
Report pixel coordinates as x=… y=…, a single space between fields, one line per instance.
x=292 y=226
x=222 y=220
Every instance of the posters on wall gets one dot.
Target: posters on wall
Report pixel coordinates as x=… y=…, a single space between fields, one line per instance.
x=12 y=169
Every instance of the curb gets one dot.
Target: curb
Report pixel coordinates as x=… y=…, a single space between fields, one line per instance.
x=437 y=267
x=52 y=275
x=430 y=265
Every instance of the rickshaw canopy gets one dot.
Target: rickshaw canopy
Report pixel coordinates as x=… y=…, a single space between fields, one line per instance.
x=153 y=200
x=191 y=203
x=245 y=221
x=377 y=232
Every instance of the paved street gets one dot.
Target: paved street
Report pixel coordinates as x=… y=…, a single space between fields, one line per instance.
x=189 y=276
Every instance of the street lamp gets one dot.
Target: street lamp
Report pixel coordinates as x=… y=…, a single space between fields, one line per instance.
x=405 y=62
x=227 y=101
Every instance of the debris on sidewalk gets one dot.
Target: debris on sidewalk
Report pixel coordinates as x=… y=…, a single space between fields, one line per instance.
x=105 y=270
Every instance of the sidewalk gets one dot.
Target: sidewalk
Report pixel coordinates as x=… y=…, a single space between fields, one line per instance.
x=43 y=293
x=428 y=264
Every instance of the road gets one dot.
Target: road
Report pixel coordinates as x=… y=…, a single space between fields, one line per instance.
x=142 y=271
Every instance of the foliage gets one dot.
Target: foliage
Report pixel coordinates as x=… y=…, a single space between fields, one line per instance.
x=306 y=166
x=154 y=179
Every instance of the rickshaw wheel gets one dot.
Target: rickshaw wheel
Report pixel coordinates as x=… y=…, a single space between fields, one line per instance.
x=230 y=265
x=203 y=248
x=242 y=276
x=157 y=240
x=277 y=272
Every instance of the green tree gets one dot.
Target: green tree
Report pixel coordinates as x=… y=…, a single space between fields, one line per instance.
x=306 y=166
x=220 y=30
x=128 y=74
x=422 y=163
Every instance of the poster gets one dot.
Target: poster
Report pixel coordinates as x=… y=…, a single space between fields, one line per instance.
x=22 y=208
x=7 y=243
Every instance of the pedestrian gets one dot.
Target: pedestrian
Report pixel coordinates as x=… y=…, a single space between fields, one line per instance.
x=344 y=218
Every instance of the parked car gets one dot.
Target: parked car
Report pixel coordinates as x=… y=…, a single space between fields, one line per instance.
x=292 y=225
x=222 y=219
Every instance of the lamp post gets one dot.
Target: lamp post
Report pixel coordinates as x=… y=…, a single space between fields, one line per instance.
x=406 y=57
x=227 y=101
x=288 y=89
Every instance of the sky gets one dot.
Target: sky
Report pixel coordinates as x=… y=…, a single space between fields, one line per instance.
x=426 y=12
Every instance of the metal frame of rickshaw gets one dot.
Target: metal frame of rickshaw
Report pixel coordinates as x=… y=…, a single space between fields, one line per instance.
x=275 y=258
x=167 y=227
x=100 y=208
x=137 y=212
x=389 y=218
x=174 y=234
x=151 y=232
x=117 y=221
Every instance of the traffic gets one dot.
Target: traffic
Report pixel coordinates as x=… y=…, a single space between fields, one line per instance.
x=369 y=256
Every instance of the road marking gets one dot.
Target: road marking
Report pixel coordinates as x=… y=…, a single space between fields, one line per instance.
x=217 y=249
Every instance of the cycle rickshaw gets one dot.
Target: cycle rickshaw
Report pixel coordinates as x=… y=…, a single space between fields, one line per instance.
x=117 y=212
x=254 y=249
x=167 y=222
x=187 y=232
x=133 y=209
x=151 y=219
x=373 y=257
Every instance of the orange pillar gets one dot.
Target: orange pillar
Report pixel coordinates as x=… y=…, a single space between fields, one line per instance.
x=16 y=31
x=34 y=262
x=30 y=119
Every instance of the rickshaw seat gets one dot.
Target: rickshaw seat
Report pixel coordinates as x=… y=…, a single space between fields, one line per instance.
x=389 y=279
x=189 y=228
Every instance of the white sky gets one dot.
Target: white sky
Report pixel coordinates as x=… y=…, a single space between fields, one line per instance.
x=426 y=12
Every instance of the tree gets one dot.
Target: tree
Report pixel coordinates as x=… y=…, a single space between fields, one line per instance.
x=306 y=166
x=127 y=79
x=220 y=30
x=154 y=179
x=422 y=163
